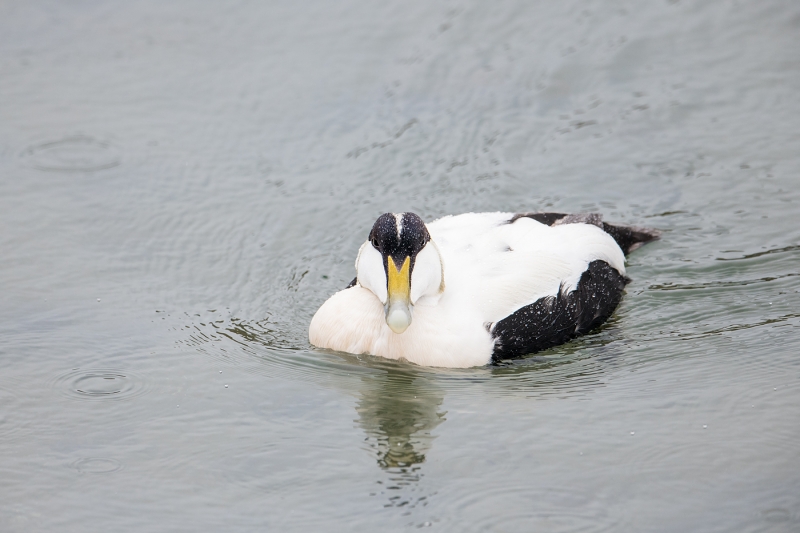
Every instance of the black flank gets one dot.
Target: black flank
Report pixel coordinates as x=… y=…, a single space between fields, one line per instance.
x=557 y=319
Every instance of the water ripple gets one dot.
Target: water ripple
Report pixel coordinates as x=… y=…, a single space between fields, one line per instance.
x=525 y=507
x=760 y=254
x=261 y=347
x=101 y=385
x=74 y=153
x=253 y=467
x=9 y=407
x=96 y=465
x=669 y=286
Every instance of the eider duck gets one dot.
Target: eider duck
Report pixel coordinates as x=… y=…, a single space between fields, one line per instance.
x=477 y=288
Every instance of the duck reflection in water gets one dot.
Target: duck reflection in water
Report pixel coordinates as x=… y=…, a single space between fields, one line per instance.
x=399 y=408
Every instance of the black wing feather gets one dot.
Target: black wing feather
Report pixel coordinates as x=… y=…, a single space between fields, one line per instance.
x=554 y=320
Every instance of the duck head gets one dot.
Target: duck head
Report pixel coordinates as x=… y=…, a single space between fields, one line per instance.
x=400 y=264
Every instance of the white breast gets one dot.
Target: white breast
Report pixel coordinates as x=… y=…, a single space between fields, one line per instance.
x=444 y=334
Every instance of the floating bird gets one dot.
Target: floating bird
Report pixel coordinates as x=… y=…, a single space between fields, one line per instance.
x=471 y=289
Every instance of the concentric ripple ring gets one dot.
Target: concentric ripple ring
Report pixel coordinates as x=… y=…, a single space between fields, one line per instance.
x=100 y=384
x=73 y=153
x=96 y=465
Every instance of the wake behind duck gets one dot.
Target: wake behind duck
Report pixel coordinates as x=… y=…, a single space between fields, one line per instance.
x=470 y=289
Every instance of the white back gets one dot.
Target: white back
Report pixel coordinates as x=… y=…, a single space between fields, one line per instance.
x=501 y=267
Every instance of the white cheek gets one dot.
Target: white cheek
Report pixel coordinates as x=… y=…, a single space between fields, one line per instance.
x=371 y=274
x=426 y=277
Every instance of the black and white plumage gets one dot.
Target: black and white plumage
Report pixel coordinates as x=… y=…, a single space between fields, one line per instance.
x=470 y=289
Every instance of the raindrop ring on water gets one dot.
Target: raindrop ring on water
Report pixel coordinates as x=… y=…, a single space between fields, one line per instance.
x=100 y=384
x=96 y=465
x=73 y=153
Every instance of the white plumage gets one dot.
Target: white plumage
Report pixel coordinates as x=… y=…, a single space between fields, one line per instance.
x=476 y=269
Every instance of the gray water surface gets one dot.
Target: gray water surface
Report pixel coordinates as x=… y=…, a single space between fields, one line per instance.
x=182 y=184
